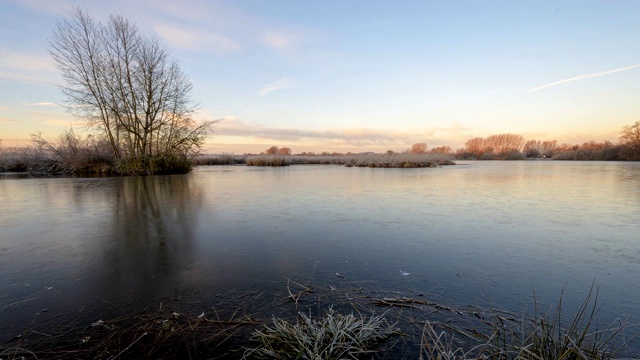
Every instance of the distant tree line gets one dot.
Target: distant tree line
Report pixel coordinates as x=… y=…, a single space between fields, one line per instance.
x=515 y=147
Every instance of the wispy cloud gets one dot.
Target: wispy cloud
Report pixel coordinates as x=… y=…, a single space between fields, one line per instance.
x=284 y=83
x=192 y=39
x=2 y=120
x=582 y=77
x=46 y=104
x=31 y=68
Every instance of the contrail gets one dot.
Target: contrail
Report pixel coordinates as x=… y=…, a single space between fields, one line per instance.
x=582 y=77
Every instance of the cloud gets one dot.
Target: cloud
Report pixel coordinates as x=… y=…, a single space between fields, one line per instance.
x=357 y=137
x=281 y=40
x=284 y=83
x=582 y=77
x=46 y=104
x=196 y=40
x=59 y=122
x=2 y=120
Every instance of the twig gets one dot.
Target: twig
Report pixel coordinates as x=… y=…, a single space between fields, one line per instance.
x=16 y=349
x=18 y=302
x=127 y=348
x=25 y=333
x=112 y=304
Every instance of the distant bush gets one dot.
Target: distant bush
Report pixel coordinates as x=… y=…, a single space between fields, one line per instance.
x=610 y=153
x=78 y=154
x=487 y=156
x=21 y=159
x=514 y=156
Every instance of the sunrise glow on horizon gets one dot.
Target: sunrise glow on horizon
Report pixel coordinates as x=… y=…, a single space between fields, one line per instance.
x=357 y=75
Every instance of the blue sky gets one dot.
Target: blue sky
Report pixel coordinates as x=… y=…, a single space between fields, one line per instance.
x=359 y=75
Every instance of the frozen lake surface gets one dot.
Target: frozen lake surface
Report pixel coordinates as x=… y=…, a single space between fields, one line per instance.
x=478 y=233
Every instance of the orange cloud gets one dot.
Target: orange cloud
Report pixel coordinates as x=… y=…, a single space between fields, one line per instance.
x=361 y=137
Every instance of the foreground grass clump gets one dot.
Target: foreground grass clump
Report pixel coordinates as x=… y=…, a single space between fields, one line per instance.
x=334 y=336
x=548 y=336
x=268 y=160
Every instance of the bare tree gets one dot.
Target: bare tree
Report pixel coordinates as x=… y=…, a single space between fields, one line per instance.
x=272 y=150
x=284 y=151
x=503 y=144
x=549 y=148
x=418 y=148
x=476 y=146
x=631 y=136
x=125 y=85
x=532 y=148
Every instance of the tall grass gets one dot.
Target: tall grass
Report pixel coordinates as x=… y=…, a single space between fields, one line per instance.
x=551 y=336
x=548 y=336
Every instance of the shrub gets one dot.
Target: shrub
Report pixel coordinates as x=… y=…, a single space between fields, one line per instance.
x=487 y=156
x=514 y=156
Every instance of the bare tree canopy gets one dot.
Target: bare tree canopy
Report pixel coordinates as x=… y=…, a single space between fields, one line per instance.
x=418 y=148
x=631 y=136
x=125 y=85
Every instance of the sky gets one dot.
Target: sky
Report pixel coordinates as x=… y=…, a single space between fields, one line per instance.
x=356 y=75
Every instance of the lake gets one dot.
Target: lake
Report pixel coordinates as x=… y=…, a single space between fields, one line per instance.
x=484 y=234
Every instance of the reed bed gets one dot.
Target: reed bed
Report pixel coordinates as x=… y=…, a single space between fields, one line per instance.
x=219 y=159
x=405 y=160
x=268 y=160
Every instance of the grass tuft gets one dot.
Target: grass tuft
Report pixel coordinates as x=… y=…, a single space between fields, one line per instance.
x=334 y=336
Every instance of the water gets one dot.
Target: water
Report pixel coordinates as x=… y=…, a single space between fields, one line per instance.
x=478 y=233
